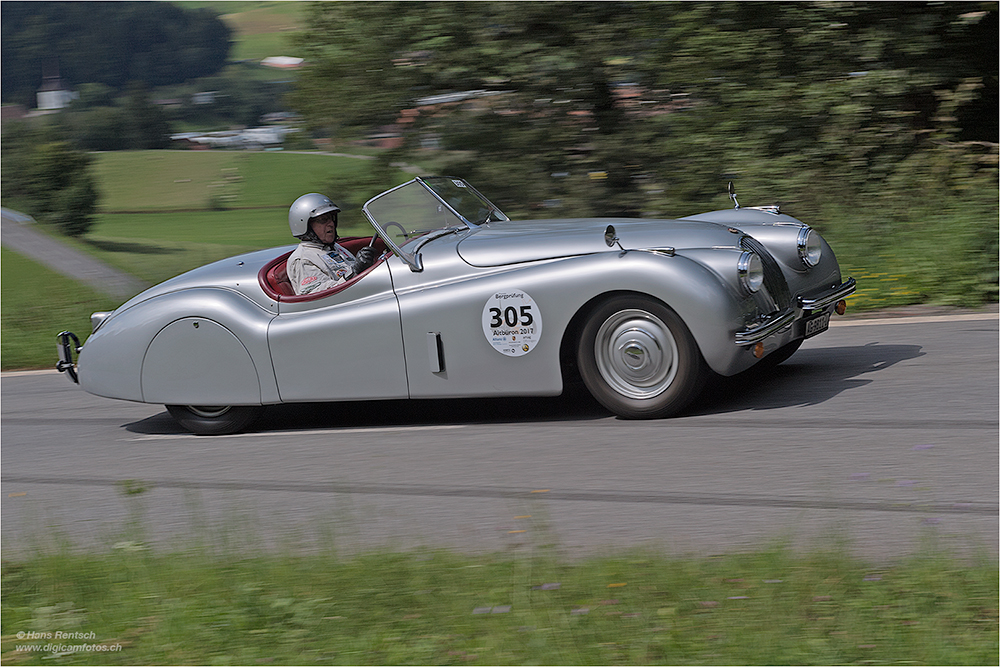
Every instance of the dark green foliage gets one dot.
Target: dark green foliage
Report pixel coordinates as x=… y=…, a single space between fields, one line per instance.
x=147 y=124
x=132 y=122
x=881 y=111
x=110 y=43
x=44 y=176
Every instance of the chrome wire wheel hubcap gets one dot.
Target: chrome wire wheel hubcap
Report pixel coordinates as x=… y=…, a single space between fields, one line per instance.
x=636 y=354
x=209 y=411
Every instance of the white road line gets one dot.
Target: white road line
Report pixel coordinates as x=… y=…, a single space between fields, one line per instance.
x=913 y=320
x=328 y=431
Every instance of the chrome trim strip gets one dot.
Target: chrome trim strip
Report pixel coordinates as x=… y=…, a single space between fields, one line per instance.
x=768 y=327
x=842 y=291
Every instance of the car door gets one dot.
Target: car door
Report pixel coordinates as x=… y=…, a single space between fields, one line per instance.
x=347 y=346
x=445 y=311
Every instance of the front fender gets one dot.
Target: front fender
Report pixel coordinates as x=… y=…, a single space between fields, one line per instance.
x=711 y=308
x=203 y=346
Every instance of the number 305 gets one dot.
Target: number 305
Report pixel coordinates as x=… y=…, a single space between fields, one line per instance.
x=511 y=317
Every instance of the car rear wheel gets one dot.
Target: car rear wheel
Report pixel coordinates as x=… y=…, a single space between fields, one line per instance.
x=215 y=419
x=639 y=360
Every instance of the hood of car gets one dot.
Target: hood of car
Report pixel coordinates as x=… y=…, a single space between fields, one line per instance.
x=516 y=241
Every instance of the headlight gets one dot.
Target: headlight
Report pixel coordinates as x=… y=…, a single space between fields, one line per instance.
x=809 y=246
x=751 y=271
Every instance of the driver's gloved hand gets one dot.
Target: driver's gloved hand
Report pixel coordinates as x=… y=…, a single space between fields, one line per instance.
x=364 y=259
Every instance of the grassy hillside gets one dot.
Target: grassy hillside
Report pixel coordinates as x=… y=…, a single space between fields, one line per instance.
x=158 y=221
x=159 y=214
x=33 y=311
x=261 y=29
x=151 y=181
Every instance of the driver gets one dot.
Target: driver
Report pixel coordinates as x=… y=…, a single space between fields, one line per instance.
x=320 y=262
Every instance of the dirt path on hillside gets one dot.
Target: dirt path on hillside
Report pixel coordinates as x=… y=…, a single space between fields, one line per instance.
x=17 y=234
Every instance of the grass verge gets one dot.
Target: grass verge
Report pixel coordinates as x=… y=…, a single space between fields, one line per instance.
x=132 y=606
x=37 y=304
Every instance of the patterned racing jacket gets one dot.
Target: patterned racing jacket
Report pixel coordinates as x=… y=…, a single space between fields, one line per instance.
x=314 y=267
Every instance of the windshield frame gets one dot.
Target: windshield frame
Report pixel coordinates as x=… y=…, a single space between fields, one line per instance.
x=443 y=216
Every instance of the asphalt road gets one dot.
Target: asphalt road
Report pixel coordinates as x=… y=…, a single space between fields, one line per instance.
x=879 y=435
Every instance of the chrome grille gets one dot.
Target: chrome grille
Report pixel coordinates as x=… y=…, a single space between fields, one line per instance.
x=774 y=280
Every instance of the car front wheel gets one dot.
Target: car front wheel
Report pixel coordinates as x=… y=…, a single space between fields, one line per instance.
x=215 y=419
x=639 y=360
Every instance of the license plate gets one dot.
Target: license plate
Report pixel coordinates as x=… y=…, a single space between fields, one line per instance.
x=817 y=325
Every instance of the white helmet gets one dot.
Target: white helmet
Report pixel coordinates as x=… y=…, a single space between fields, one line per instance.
x=305 y=207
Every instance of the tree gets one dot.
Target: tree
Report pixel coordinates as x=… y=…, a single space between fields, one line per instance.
x=148 y=126
x=47 y=178
x=110 y=43
x=642 y=108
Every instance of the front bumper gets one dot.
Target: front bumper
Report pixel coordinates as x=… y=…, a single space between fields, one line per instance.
x=780 y=321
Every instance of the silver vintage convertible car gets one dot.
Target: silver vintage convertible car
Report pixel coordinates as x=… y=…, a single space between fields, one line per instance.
x=464 y=302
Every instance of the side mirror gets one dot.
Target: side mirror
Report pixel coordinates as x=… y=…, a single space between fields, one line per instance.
x=610 y=238
x=732 y=195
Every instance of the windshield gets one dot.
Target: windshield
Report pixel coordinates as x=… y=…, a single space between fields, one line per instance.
x=464 y=199
x=410 y=215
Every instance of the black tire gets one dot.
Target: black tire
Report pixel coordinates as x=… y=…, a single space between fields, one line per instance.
x=638 y=358
x=215 y=419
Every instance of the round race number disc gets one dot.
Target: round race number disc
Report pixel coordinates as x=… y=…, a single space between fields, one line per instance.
x=512 y=323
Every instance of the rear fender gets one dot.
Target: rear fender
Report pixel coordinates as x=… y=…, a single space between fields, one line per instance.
x=195 y=346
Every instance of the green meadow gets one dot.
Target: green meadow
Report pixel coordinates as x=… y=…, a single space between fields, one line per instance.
x=150 y=181
x=165 y=212
x=206 y=606
x=37 y=304
x=261 y=29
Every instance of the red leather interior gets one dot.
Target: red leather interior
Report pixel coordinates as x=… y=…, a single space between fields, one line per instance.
x=273 y=276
